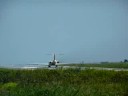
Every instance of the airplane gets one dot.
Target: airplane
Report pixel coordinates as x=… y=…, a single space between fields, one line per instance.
x=36 y=65
x=53 y=62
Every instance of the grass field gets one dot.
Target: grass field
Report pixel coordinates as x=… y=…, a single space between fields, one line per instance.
x=105 y=65
x=68 y=82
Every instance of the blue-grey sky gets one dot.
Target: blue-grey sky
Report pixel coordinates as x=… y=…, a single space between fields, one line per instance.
x=83 y=30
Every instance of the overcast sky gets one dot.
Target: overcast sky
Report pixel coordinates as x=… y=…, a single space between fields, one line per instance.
x=83 y=30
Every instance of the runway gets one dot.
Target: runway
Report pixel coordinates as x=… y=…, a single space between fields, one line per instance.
x=74 y=67
x=33 y=67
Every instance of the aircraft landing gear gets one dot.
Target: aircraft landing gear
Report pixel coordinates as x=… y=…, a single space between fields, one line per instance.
x=55 y=66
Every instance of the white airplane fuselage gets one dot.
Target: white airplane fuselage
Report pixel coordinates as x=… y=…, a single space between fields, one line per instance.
x=53 y=62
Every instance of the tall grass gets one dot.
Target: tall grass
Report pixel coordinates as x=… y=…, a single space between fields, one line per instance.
x=69 y=82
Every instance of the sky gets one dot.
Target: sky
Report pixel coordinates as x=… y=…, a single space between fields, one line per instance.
x=81 y=30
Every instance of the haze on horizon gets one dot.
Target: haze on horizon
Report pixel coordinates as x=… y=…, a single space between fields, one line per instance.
x=83 y=30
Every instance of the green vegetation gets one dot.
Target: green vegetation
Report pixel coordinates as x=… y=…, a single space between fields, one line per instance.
x=105 y=65
x=68 y=82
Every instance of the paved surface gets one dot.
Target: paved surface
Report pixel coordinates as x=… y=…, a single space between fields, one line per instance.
x=66 y=67
x=85 y=68
x=114 y=69
x=97 y=68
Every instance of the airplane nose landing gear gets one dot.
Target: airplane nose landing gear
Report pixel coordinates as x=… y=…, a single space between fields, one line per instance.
x=53 y=62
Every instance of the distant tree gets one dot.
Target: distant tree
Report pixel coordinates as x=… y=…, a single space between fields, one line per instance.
x=125 y=60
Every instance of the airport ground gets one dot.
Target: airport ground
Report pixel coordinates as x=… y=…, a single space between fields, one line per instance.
x=63 y=82
x=115 y=66
x=102 y=64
